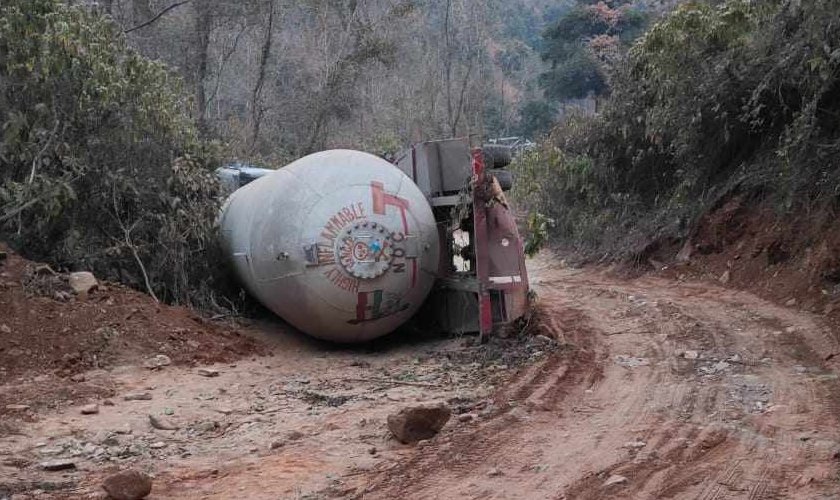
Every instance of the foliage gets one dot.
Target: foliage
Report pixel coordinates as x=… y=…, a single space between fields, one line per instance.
x=740 y=96
x=100 y=164
x=385 y=145
x=538 y=227
x=537 y=118
x=579 y=44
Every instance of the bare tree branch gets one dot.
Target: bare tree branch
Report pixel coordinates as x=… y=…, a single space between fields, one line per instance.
x=157 y=16
x=20 y=209
x=460 y=108
x=224 y=61
x=265 y=53
x=42 y=151
x=127 y=240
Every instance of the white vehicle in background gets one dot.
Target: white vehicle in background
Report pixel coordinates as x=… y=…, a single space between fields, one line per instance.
x=235 y=175
x=516 y=144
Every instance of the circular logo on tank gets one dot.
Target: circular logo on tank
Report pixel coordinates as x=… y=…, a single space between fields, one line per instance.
x=364 y=250
x=360 y=250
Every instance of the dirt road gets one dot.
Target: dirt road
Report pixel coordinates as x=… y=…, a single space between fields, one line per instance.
x=654 y=389
x=665 y=390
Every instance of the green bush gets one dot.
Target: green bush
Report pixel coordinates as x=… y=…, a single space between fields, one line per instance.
x=101 y=167
x=713 y=99
x=580 y=42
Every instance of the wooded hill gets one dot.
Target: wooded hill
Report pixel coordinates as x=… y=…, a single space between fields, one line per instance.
x=715 y=101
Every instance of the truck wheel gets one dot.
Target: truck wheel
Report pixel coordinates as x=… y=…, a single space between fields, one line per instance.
x=505 y=178
x=496 y=155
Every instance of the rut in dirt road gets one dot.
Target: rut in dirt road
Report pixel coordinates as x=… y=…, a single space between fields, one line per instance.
x=664 y=390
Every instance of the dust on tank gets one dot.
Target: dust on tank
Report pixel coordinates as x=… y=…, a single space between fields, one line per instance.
x=341 y=244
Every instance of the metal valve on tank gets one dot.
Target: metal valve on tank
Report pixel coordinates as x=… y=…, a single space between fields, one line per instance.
x=341 y=244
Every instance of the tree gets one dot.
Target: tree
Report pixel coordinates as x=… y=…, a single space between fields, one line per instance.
x=256 y=95
x=538 y=116
x=580 y=42
x=277 y=78
x=101 y=166
x=455 y=51
x=353 y=43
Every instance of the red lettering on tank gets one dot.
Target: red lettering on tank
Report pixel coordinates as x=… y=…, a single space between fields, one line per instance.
x=329 y=233
x=337 y=222
x=398 y=252
x=326 y=248
x=340 y=220
x=345 y=256
x=326 y=255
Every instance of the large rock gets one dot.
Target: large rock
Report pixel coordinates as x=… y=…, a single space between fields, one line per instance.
x=684 y=255
x=128 y=485
x=138 y=396
x=82 y=282
x=163 y=423
x=91 y=409
x=615 y=479
x=59 y=464
x=415 y=423
x=157 y=361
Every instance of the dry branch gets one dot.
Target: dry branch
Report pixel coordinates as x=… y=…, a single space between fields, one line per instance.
x=42 y=151
x=127 y=240
x=157 y=16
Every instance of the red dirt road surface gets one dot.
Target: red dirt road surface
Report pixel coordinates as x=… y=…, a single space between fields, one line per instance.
x=665 y=390
x=624 y=388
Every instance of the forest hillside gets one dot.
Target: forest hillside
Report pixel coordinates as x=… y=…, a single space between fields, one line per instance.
x=116 y=113
x=717 y=143
x=653 y=115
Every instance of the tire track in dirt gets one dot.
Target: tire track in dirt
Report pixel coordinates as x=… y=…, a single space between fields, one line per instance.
x=665 y=390
x=540 y=386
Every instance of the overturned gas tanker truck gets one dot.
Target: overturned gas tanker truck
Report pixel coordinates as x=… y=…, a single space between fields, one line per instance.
x=347 y=246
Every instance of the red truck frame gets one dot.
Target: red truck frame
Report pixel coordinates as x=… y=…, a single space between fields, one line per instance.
x=482 y=281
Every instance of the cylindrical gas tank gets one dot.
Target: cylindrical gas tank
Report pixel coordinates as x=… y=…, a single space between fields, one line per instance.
x=341 y=244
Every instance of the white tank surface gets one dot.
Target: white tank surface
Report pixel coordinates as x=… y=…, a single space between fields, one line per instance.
x=341 y=244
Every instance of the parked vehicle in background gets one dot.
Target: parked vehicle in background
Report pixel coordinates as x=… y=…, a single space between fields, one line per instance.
x=235 y=175
x=516 y=144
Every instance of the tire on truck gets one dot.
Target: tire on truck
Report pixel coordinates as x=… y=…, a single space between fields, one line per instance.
x=497 y=155
x=505 y=178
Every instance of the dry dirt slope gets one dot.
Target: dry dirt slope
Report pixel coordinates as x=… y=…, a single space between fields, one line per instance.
x=49 y=337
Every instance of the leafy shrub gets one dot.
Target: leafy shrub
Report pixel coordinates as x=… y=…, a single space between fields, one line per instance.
x=101 y=166
x=740 y=96
x=580 y=42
